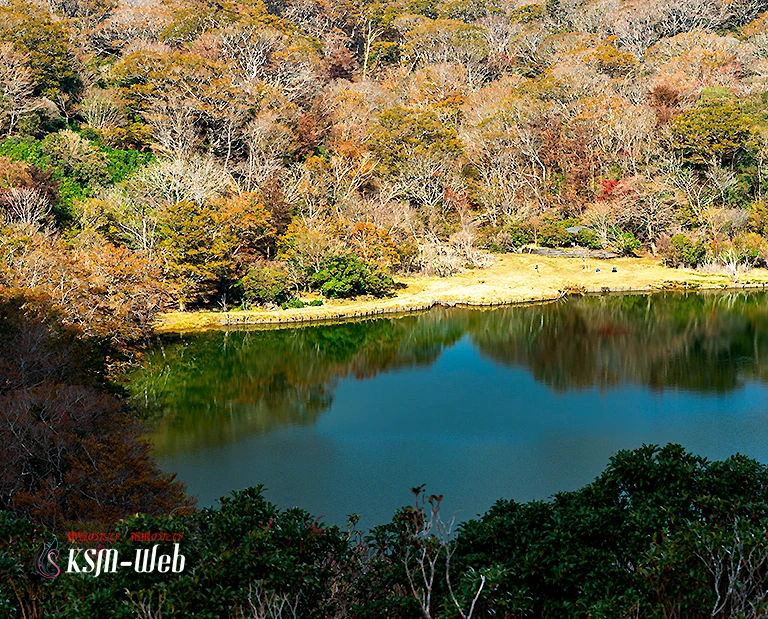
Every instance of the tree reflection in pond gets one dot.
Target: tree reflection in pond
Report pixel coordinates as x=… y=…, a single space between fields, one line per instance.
x=702 y=342
x=216 y=387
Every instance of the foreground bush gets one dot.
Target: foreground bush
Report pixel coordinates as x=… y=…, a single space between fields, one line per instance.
x=661 y=533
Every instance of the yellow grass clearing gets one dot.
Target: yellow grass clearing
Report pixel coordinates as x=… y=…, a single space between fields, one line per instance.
x=512 y=278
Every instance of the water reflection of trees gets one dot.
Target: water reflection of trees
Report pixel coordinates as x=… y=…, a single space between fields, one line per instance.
x=702 y=342
x=215 y=387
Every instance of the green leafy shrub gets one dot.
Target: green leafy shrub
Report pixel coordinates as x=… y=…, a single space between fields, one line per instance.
x=641 y=538
x=293 y=304
x=345 y=275
x=123 y=163
x=553 y=233
x=520 y=234
x=680 y=250
x=24 y=149
x=589 y=238
x=298 y=303
x=267 y=284
x=646 y=536
x=247 y=544
x=625 y=243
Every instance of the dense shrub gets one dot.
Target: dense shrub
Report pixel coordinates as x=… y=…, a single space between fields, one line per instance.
x=245 y=549
x=625 y=243
x=641 y=540
x=345 y=275
x=122 y=163
x=298 y=304
x=266 y=284
x=680 y=250
x=648 y=538
x=553 y=233
x=589 y=238
x=520 y=234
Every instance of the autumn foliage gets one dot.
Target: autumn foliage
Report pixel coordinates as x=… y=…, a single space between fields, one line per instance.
x=214 y=155
x=72 y=450
x=206 y=139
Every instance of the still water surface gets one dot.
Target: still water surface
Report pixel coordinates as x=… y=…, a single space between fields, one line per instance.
x=516 y=402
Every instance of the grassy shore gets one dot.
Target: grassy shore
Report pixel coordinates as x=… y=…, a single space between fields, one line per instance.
x=511 y=279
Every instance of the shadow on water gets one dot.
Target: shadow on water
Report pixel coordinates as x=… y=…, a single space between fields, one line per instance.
x=219 y=387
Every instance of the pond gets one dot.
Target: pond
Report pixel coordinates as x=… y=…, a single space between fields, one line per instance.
x=517 y=402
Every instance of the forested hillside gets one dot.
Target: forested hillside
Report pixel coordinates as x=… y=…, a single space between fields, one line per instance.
x=222 y=153
x=159 y=154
